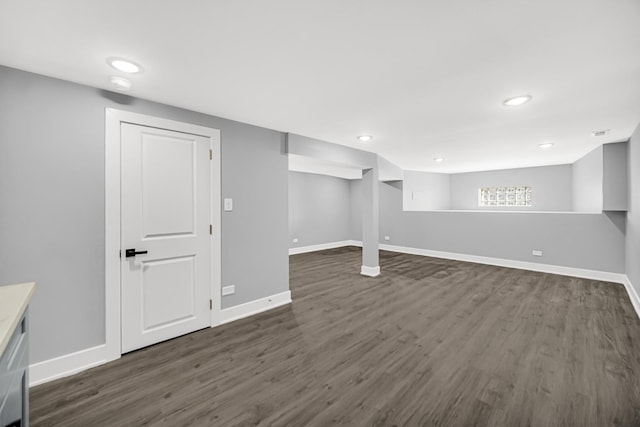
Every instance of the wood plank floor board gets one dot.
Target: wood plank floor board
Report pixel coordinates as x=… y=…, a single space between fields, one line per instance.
x=430 y=342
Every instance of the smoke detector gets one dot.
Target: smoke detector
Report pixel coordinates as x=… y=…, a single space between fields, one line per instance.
x=120 y=83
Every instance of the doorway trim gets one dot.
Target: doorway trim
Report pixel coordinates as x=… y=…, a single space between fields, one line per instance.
x=113 y=119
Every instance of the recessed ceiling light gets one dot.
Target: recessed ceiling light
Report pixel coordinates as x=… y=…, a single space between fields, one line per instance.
x=518 y=100
x=545 y=146
x=124 y=65
x=600 y=132
x=439 y=159
x=120 y=83
x=365 y=138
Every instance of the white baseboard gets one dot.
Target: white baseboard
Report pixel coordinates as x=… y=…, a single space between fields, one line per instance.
x=370 y=271
x=66 y=365
x=633 y=295
x=532 y=266
x=79 y=361
x=323 y=246
x=73 y=363
x=522 y=265
x=253 y=307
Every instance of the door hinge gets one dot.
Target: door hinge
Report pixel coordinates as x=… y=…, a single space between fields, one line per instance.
x=120 y=253
x=210 y=154
x=211 y=229
x=210 y=304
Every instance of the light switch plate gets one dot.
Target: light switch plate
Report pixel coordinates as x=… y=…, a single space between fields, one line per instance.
x=228 y=205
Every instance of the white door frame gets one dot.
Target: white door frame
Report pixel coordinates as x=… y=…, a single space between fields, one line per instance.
x=113 y=119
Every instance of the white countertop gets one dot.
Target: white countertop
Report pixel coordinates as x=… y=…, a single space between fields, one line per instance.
x=13 y=302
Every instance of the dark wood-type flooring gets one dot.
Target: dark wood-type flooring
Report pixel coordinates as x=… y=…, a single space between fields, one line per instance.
x=430 y=342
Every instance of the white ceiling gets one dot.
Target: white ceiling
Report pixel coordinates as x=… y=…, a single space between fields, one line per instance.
x=425 y=78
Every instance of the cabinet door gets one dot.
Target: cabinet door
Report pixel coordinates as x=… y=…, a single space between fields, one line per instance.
x=13 y=378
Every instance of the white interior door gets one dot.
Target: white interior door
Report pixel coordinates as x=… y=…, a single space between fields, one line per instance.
x=165 y=214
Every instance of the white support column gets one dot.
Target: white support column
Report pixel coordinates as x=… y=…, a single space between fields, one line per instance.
x=370 y=222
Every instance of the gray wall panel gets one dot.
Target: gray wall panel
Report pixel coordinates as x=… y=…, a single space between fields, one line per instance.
x=355 y=221
x=52 y=211
x=426 y=191
x=633 y=214
x=615 y=177
x=551 y=187
x=587 y=241
x=587 y=182
x=319 y=209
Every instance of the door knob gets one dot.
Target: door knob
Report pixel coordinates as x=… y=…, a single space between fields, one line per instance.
x=132 y=252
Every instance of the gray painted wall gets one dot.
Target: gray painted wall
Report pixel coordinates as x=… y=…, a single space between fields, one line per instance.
x=551 y=187
x=52 y=212
x=426 y=191
x=355 y=217
x=614 y=177
x=319 y=209
x=589 y=241
x=370 y=163
x=587 y=182
x=633 y=214
x=388 y=171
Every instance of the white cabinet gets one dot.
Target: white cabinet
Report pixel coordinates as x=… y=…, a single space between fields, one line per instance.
x=14 y=374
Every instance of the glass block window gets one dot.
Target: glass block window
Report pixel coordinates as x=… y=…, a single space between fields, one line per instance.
x=504 y=196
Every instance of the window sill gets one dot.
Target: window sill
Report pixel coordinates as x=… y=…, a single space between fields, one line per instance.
x=506 y=211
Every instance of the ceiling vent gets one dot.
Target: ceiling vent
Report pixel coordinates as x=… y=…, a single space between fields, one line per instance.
x=600 y=132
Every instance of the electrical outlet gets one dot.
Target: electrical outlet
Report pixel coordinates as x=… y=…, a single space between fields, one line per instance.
x=228 y=205
x=536 y=253
x=295 y=240
x=228 y=290
x=387 y=238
